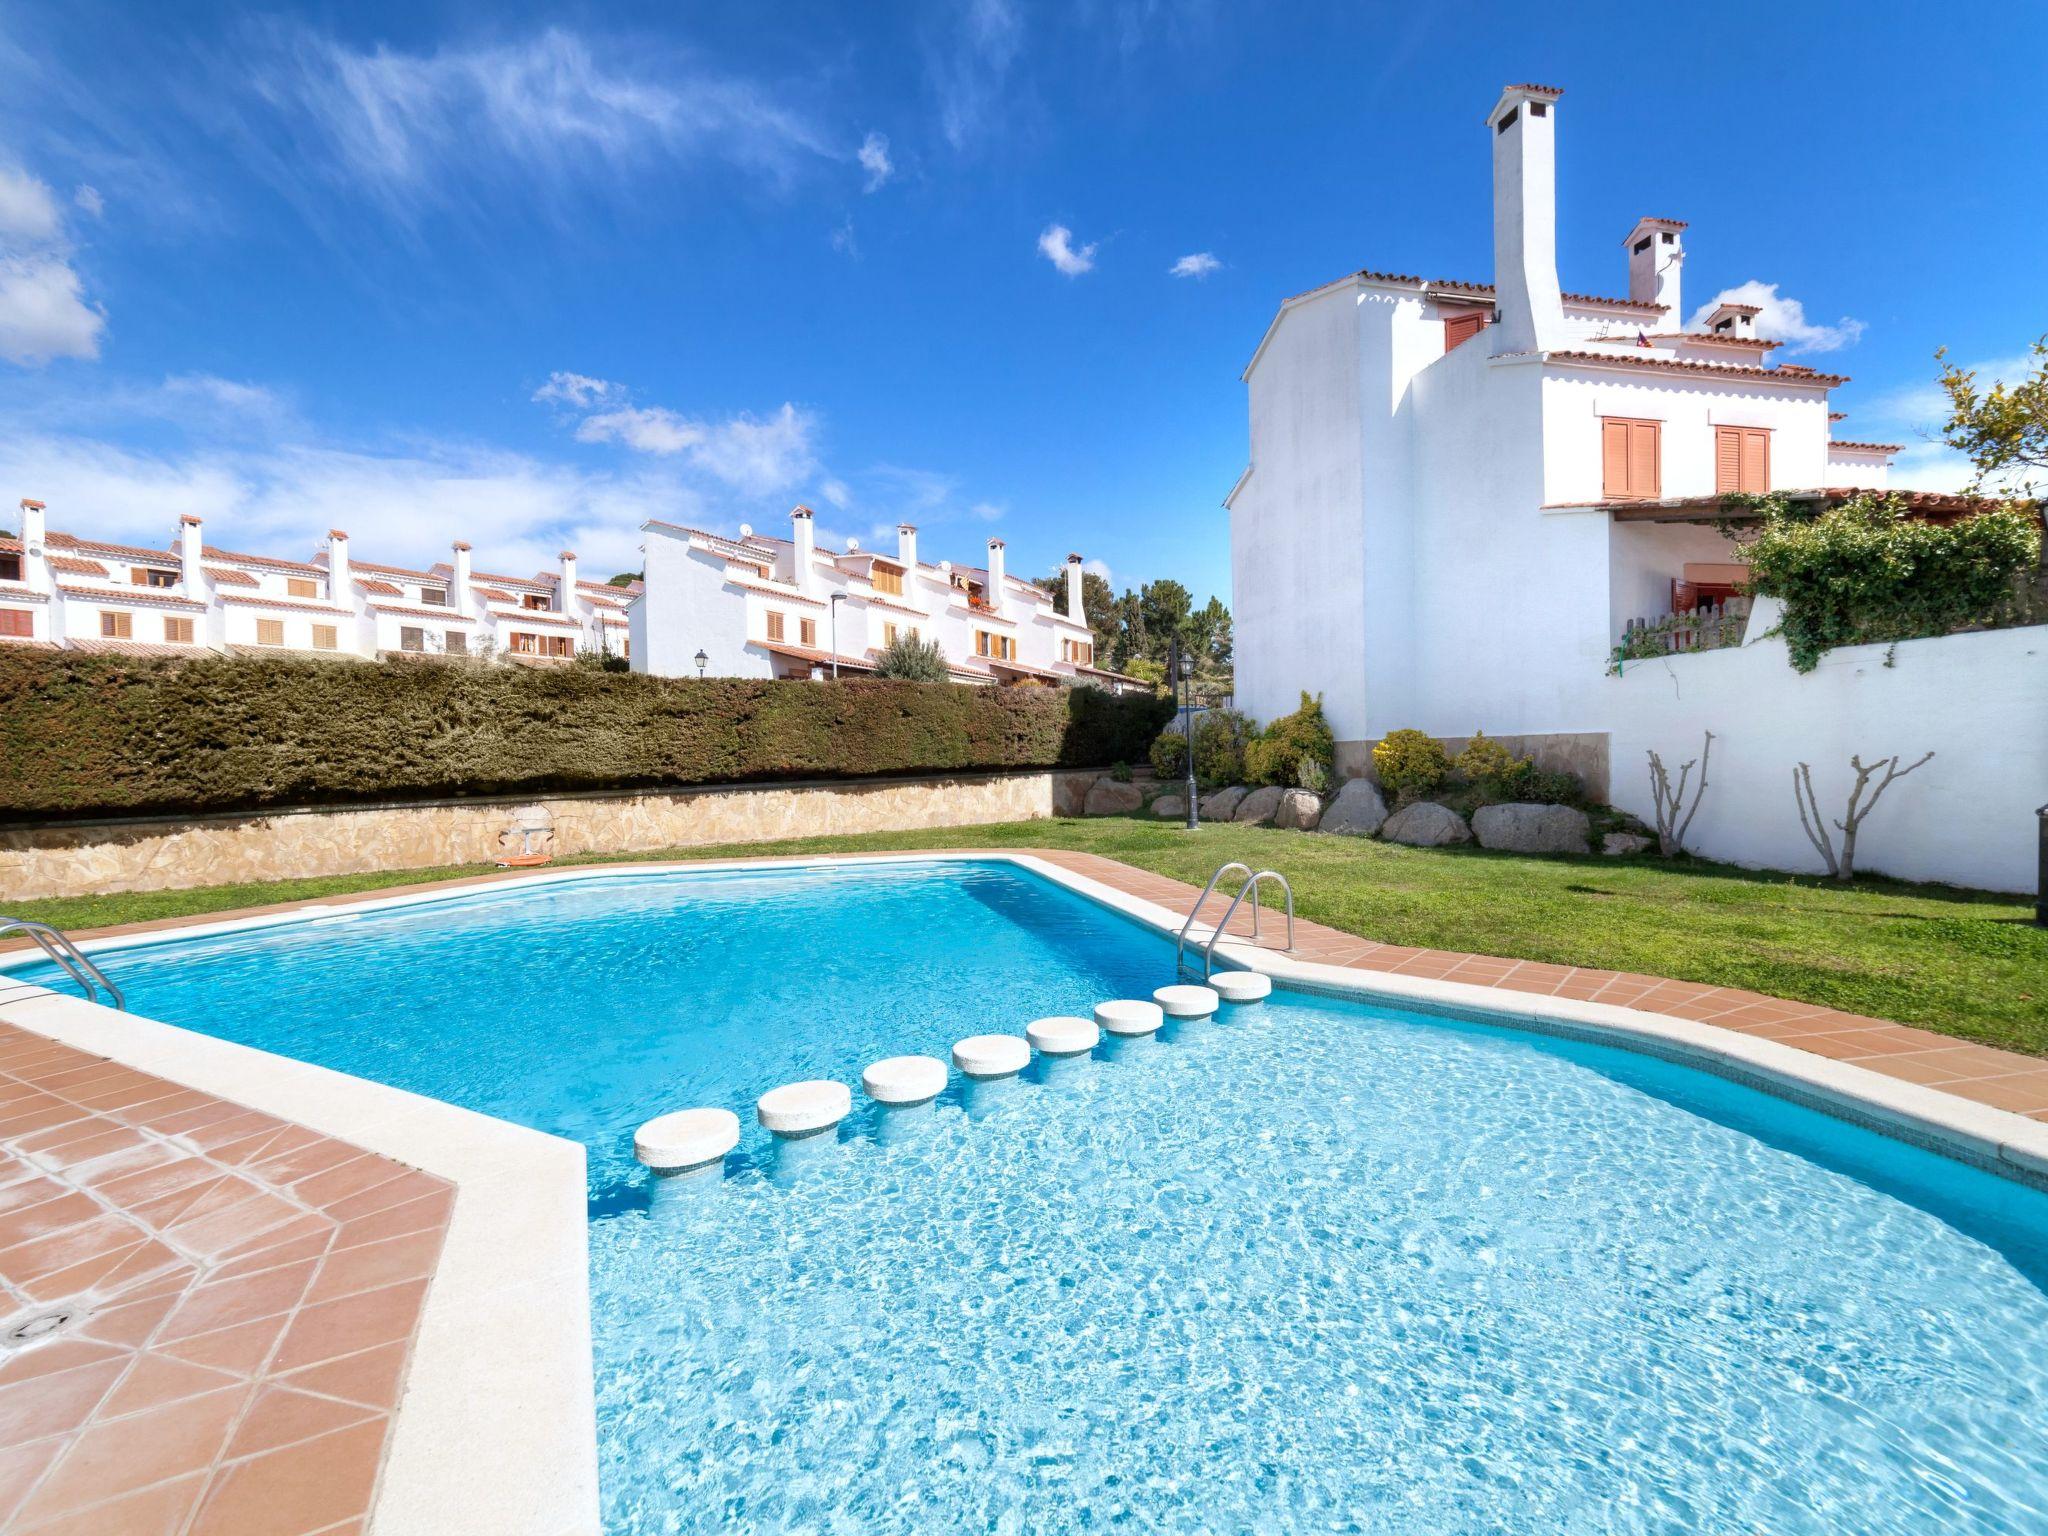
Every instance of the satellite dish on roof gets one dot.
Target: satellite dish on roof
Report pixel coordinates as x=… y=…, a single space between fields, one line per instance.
x=853 y=546
x=746 y=530
x=946 y=567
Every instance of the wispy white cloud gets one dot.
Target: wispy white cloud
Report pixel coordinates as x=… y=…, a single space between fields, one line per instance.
x=549 y=115
x=1100 y=568
x=1914 y=415
x=836 y=493
x=987 y=511
x=874 y=159
x=1056 y=244
x=1784 y=319
x=89 y=202
x=577 y=390
x=968 y=64
x=843 y=239
x=1198 y=265
x=43 y=309
x=755 y=454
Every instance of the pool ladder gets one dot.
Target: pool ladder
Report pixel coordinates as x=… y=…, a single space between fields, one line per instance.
x=1249 y=888
x=55 y=943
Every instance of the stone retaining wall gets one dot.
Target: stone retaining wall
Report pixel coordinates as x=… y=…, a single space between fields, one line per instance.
x=106 y=857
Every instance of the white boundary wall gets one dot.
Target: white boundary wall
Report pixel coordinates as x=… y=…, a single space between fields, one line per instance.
x=1979 y=701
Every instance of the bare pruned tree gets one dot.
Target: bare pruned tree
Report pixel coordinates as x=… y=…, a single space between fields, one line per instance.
x=1674 y=819
x=1815 y=825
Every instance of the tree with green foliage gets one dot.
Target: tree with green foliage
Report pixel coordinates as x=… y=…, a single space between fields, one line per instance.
x=907 y=659
x=2004 y=430
x=1098 y=601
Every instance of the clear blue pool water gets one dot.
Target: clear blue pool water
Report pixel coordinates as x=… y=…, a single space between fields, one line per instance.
x=1315 y=1266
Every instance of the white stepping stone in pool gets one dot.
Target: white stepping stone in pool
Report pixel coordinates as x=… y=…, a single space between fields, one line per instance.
x=904 y=1080
x=1130 y=1016
x=990 y=1056
x=1187 y=1002
x=804 y=1109
x=1241 y=986
x=689 y=1138
x=1062 y=1035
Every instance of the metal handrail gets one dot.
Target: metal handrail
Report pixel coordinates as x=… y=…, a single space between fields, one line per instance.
x=1251 y=888
x=57 y=944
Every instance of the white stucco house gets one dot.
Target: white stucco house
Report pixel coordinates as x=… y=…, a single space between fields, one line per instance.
x=68 y=591
x=1460 y=494
x=761 y=606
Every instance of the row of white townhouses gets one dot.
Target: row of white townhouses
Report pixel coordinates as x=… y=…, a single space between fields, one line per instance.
x=753 y=606
x=64 y=590
x=759 y=606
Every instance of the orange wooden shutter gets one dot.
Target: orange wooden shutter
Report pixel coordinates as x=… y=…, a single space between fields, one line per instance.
x=1727 y=459
x=16 y=621
x=1756 y=460
x=1459 y=329
x=1643 y=467
x=1614 y=458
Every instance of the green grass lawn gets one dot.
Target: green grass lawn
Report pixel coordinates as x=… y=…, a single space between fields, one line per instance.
x=1965 y=963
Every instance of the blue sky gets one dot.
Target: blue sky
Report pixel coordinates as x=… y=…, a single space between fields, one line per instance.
x=528 y=275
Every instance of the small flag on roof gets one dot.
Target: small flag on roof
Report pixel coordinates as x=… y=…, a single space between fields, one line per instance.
x=1642 y=340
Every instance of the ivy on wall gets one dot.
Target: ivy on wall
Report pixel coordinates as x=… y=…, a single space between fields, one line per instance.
x=1868 y=572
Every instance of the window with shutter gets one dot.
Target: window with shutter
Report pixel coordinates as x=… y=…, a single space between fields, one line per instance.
x=1459 y=329
x=1630 y=459
x=177 y=631
x=1742 y=460
x=774 y=626
x=807 y=633
x=270 y=631
x=117 y=626
x=19 y=622
x=300 y=586
x=325 y=637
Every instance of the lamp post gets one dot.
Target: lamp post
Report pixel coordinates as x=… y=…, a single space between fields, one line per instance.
x=837 y=599
x=702 y=662
x=1184 y=663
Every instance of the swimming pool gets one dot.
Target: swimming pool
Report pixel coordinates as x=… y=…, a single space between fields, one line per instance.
x=1317 y=1265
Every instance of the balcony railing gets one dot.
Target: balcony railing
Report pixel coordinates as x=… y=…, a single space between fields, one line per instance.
x=1709 y=627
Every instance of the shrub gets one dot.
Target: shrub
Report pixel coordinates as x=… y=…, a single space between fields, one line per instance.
x=1275 y=757
x=1410 y=764
x=1867 y=571
x=1221 y=736
x=1489 y=766
x=99 y=735
x=907 y=659
x=1120 y=771
x=1170 y=755
x=1312 y=776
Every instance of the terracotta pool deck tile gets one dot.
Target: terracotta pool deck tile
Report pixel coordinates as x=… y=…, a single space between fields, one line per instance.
x=188 y=1271
x=2023 y=1094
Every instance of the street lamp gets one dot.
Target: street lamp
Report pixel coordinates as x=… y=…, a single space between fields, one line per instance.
x=837 y=599
x=703 y=661
x=1185 y=664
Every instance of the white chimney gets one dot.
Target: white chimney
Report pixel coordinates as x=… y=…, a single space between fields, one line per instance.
x=806 y=540
x=565 y=594
x=191 y=555
x=463 y=598
x=1529 y=314
x=1076 y=608
x=35 y=563
x=906 y=548
x=340 y=575
x=995 y=574
x=1656 y=252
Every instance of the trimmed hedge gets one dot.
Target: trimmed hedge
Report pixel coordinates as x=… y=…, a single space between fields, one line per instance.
x=99 y=735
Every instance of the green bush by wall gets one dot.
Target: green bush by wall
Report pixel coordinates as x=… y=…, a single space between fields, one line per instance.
x=105 y=735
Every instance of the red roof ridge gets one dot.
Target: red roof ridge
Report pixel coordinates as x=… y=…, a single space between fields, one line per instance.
x=1787 y=374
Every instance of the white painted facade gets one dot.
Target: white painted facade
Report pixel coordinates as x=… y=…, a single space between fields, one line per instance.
x=759 y=606
x=1426 y=533
x=60 y=590
x=1446 y=523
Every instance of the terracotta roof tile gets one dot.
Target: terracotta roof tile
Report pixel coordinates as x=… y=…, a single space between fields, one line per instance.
x=147 y=597
x=1783 y=375
x=228 y=576
x=71 y=565
x=133 y=648
x=1869 y=447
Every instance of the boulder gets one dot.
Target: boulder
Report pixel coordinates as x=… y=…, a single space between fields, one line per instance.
x=1532 y=828
x=1426 y=824
x=1623 y=844
x=1222 y=804
x=1299 y=809
x=1109 y=798
x=1357 y=811
x=1257 y=808
x=1175 y=806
